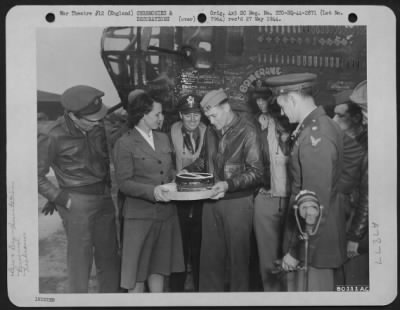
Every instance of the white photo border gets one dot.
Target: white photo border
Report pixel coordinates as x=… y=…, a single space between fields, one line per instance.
x=22 y=218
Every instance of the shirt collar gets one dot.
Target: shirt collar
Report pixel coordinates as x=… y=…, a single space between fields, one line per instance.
x=149 y=135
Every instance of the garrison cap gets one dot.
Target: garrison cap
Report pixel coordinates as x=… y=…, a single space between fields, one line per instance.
x=81 y=100
x=282 y=84
x=213 y=98
x=189 y=104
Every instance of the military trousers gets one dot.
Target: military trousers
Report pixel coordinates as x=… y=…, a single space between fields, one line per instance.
x=190 y=215
x=269 y=215
x=356 y=270
x=225 y=245
x=91 y=233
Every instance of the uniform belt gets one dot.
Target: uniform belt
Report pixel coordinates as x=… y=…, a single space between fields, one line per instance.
x=240 y=194
x=90 y=189
x=268 y=193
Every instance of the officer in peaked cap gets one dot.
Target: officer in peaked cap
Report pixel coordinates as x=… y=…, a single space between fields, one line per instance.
x=189 y=104
x=75 y=147
x=283 y=84
x=188 y=133
x=314 y=164
x=187 y=136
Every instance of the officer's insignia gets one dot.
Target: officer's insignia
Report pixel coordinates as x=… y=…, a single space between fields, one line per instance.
x=190 y=101
x=314 y=142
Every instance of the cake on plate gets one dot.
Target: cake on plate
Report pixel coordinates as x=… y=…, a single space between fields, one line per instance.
x=194 y=181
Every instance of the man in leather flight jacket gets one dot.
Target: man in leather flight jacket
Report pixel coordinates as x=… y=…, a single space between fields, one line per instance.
x=75 y=147
x=232 y=153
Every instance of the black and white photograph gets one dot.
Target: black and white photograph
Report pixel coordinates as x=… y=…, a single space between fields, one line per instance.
x=217 y=150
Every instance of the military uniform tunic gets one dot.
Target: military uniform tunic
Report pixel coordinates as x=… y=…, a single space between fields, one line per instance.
x=315 y=164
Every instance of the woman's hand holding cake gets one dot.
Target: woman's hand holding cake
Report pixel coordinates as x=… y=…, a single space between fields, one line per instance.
x=161 y=193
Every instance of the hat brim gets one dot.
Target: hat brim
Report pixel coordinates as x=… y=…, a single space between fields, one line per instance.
x=99 y=115
x=186 y=111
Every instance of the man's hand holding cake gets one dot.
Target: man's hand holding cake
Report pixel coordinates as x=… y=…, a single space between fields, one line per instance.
x=220 y=188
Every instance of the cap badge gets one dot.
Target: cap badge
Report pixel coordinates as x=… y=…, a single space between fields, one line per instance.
x=258 y=83
x=190 y=101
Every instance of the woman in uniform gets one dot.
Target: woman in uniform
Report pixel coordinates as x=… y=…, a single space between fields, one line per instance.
x=152 y=244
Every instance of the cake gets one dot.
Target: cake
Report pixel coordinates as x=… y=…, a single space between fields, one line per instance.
x=194 y=181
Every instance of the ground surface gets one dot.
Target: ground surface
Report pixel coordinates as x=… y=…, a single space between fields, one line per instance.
x=53 y=255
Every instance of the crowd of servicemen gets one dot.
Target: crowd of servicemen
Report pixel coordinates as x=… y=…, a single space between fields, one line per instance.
x=286 y=169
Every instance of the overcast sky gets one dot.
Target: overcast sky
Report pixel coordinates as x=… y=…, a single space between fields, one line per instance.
x=71 y=56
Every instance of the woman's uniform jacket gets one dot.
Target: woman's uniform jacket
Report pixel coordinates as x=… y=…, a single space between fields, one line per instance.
x=139 y=169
